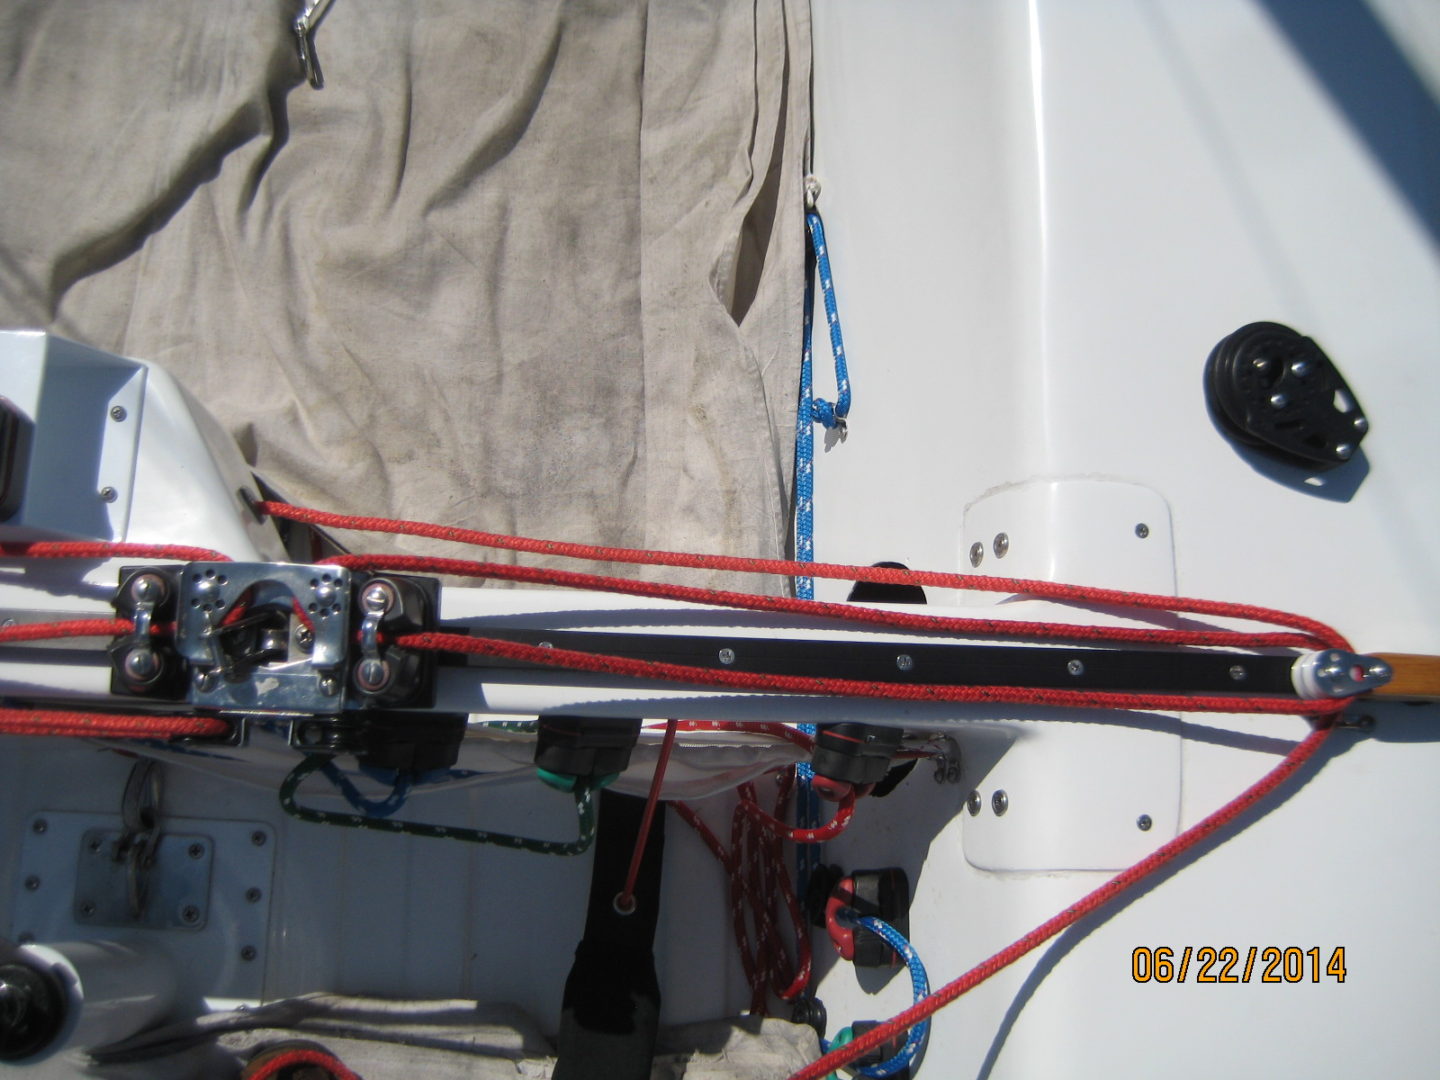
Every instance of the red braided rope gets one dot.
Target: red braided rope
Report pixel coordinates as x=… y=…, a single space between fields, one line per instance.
x=66 y=628
x=1122 y=881
x=631 y=668
x=1315 y=636
x=625 y=901
x=760 y=884
x=302 y=1056
x=1315 y=631
x=92 y=725
x=100 y=549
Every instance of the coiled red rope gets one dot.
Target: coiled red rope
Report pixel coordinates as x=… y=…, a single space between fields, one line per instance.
x=1122 y=881
x=761 y=893
x=275 y=1066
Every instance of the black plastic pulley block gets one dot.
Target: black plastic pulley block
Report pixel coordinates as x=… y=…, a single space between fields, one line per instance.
x=882 y=1053
x=570 y=748
x=884 y=894
x=855 y=753
x=32 y=1010
x=1274 y=389
x=810 y=1010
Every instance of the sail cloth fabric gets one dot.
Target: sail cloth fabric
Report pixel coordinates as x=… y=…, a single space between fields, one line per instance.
x=520 y=266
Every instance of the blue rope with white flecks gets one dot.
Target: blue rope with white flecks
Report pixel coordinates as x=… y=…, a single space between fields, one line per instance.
x=812 y=411
x=919 y=984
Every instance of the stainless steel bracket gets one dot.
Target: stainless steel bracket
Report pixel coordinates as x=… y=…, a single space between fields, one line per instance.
x=265 y=636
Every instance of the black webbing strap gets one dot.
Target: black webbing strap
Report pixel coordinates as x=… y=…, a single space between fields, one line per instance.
x=611 y=1007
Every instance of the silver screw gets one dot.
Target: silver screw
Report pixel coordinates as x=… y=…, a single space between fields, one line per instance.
x=1261 y=363
x=904 y=662
x=1278 y=401
x=1000 y=802
x=1075 y=667
x=1142 y=530
x=39 y=826
x=1001 y=545
x=108 y=494
x=1143 y=823
x=372 y=676
x=973 y=803
x=117 y=412
x=32 y=883
x=379 y=597
x=1238 y=672
x=329 y=685
x=146 y=588
x=1361 y=424
x=206 y=681
x=253 y=895
x=258 y=838
x=1301 y=367
x=87 y=909
x=196 y=851
x=248 y=953
x=977 y=553
x=1378 y=670
x=304 y=638
x=141 y=664
x=727 y=656
x=190 y=913
x=1344 y=451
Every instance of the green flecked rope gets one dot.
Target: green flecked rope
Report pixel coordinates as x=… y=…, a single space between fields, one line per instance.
x=584 y=806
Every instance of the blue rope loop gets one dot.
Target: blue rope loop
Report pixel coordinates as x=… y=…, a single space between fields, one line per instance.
x=371 y=808
x=919 y=985
x=813 y=410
